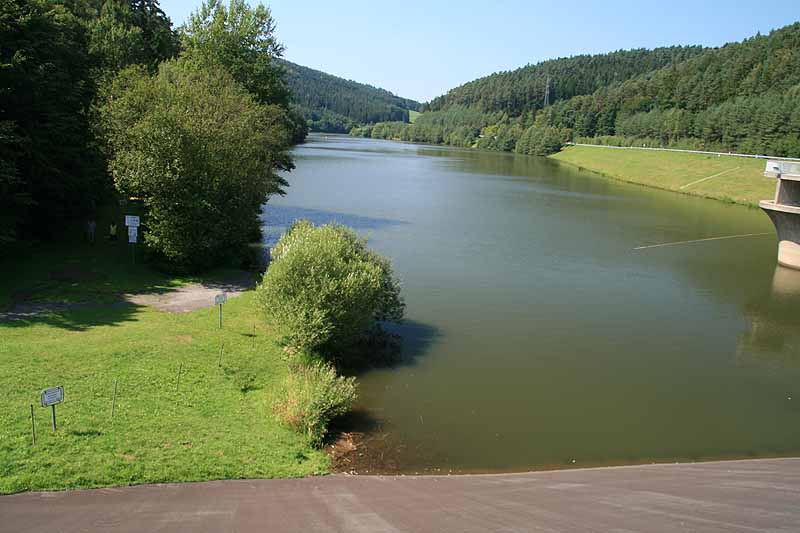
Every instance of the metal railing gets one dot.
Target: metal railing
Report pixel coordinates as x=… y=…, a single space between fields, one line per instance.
x=752 y=156
x=777 y=168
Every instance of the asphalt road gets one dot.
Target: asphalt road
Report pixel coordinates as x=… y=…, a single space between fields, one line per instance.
x=758 y=495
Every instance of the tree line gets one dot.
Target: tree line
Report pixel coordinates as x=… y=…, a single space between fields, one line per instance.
x=336 y=105
x=740 y=97
x=104 y=99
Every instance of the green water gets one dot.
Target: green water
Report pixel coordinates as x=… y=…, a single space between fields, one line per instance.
x=537 y=336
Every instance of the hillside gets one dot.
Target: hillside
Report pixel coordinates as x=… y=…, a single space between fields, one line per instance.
x=335 y=105
x=523 y=89
x=740 y=97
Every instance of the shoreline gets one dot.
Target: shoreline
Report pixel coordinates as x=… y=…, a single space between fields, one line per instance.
x=647 y=152
x=602 y=174
x=351 y=455
x=673 y=167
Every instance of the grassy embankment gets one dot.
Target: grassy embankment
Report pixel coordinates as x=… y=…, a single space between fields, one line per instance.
x=217 y=424
x=413 y=115
x=739 y=180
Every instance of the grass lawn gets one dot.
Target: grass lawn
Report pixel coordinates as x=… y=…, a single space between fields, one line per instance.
x=208 y=428
x=741 y=180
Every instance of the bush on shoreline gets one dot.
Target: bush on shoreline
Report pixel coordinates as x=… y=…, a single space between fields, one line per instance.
x=326 y=294
x=325 y=290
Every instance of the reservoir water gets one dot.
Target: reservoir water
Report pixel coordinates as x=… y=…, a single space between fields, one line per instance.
x=537 y=334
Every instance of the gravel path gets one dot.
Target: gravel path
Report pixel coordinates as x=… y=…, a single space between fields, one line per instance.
x=192 y=297
x=180 y=300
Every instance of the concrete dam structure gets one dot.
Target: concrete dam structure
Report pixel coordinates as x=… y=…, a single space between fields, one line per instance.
x=784 y=210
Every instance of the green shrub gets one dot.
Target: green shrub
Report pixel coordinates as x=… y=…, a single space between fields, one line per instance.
x=324 y=290
x=200 y=152
x=313 y=395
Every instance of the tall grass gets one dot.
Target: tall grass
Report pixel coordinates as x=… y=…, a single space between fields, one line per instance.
x=312 y=395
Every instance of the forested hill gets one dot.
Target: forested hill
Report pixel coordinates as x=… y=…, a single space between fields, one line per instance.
x=335 y=105
x=523 y=89
x=743 y=96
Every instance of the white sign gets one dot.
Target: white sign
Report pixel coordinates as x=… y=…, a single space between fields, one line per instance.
x=132 y=221
x=220 y=299
x=133 y=234
x=52 y=396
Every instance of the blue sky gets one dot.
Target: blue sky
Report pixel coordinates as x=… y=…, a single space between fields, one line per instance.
x=420 y=49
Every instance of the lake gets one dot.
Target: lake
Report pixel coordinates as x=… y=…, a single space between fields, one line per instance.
x=537 y=334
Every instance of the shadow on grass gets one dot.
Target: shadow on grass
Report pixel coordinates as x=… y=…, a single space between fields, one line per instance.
x=85 y=432
x=72 y=317
x=76 y=286
x=247 y=281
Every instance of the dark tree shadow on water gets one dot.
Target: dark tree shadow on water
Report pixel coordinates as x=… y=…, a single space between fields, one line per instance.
x=390 y=345
x=282 y=216
x=416 y=339
x=357 y=419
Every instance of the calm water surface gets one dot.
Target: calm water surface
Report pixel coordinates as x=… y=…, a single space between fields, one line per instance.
x=537 y=336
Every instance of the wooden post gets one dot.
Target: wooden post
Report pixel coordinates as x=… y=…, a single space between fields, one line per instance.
x=33 y=427
x=114 y=401
x=53 y=407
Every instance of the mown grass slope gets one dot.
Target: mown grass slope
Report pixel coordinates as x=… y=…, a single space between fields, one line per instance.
x=217 y=423
x=734 y=179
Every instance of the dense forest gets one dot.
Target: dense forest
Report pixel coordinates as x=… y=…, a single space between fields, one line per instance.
x=741 y=97
x=66 y=150
x=69 y=144
x=335 y=105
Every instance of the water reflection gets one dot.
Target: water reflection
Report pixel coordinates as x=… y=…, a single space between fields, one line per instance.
x=774 y=321
x=786 y=283
x=547 y=339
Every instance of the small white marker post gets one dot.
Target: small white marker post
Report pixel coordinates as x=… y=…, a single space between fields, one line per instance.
x=133 y=235
x=220 y=299
x=132 y=223
x=51 y=397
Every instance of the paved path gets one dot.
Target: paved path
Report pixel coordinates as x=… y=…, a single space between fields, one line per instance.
x=757 y=495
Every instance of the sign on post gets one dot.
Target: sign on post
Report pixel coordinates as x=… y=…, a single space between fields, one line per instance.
x=132 y=221
x=220 y=299
x=133 y=234
x=51 y=397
